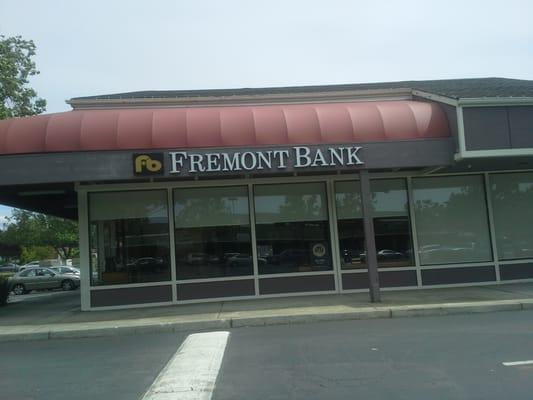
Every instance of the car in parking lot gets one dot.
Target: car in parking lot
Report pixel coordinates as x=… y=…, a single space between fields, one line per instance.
x=9 y=267
x=37 y=278
x=65 y=270
x=30 y=265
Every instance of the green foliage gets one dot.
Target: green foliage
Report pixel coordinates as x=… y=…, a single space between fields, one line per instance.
x=36 y=233
x=36 y=253
x=17 y=99
x=4 y=289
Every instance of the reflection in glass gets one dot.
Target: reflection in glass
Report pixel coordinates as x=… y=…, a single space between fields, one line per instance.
x=512 y=203
x=391 y=223
x=392 y=229
x=129 y=238
x=451 y=220
x=212 y=232
x=292 y=228
x=350 y=224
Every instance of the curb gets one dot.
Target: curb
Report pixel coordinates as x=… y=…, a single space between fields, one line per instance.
x=133 y=327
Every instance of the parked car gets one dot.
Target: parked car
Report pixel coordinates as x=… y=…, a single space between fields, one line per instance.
x=10 y=267
x=65 y=270
x=29 y=265
x=37 y=278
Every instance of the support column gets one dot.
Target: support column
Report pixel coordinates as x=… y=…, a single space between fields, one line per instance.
x=370 y=238
x=85 y=252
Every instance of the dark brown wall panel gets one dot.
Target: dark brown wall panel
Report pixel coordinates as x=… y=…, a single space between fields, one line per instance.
x=206 y=290
x=521 y=123
x=448 y=276
x=486 y=128
x=397 y=278
x=127 y=296
x=516 y=271
x=386 y=279
x=355 y=281
x=296 y=284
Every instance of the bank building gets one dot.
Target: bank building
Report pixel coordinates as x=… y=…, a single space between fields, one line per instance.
x=195 y=196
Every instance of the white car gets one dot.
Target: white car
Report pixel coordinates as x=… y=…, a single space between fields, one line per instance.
x=29 y=265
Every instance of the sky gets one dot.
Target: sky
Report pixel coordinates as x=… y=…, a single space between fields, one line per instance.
x=102 y=47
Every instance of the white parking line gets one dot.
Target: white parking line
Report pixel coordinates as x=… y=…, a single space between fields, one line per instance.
x=515 y=363
x=192 y=372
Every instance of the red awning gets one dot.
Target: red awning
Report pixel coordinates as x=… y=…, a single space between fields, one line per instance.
x=241 y=126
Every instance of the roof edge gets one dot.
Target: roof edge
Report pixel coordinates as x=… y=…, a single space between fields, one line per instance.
x=246 y=99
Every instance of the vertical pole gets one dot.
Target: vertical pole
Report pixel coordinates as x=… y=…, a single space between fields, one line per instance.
x=172 y=244
x=492 y=228
x=251 y=213
x=370 y=239
x=85 y=253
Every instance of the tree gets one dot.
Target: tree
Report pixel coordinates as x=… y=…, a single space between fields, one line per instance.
x=17 y=99
x=31 y=229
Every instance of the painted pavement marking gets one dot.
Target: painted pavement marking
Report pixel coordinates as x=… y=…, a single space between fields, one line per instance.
x=192 y=372
x=516 y=363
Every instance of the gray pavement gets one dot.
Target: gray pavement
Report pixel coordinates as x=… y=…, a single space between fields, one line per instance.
x=58 y=315
x=452 y=357
x=94 y=368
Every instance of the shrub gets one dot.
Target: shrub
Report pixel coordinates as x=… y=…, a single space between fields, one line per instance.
x=4 y=289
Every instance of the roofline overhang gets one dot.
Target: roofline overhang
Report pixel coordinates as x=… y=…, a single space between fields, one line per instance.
x=261 y=99
x=495 y=101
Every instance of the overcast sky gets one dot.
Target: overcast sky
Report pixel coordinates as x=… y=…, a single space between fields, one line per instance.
x=99 y=47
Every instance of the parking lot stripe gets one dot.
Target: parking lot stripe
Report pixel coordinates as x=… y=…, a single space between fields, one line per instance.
x=192 y=372
x=515 y=363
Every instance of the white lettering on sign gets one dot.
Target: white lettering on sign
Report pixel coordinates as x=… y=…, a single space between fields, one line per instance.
x=296 y=157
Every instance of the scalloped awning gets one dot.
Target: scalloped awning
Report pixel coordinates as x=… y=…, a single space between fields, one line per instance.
x=239 y=126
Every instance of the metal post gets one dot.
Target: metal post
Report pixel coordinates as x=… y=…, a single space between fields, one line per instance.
x=370 y=240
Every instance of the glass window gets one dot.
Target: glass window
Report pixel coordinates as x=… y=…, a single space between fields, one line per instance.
x=512 y=203
x=292 y=228
x=391 y=223
x=129 y=237
x=212 y=232
x=350 y=224
x=390 y=213
x=451 y=220
x=47 y=272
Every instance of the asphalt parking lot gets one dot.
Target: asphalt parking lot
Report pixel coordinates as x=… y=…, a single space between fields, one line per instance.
x=449 y=357
x=48 y=306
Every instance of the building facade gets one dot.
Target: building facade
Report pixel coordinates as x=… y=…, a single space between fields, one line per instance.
x=233 y=194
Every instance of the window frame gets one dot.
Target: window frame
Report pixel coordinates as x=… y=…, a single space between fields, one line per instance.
x=89 y=222
x=229 y=277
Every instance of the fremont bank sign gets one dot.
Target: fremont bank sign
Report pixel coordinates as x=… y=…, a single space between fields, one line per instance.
x=293 y=158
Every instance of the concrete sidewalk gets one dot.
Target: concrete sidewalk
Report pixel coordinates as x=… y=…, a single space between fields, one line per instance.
x=61 y=317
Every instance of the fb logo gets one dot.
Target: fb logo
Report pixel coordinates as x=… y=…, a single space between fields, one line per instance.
x=148 y=164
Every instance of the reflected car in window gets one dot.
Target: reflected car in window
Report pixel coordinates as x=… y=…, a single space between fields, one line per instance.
x=289 y=256
x=243 y=259
x=146 y=261
x=196 y=258
x=385 y=254
x=389 y=254
x=41 y=279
